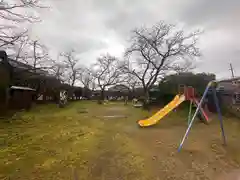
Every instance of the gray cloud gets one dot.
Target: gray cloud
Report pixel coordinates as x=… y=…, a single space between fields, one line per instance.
x=94 y=27
x=215 y=12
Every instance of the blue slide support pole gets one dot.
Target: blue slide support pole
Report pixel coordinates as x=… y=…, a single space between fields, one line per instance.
x=194 y=116
x=219 y=115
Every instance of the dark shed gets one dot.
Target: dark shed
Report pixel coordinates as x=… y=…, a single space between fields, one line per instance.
x=21 y=97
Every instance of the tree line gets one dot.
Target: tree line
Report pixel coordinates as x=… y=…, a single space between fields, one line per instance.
x=153 y=53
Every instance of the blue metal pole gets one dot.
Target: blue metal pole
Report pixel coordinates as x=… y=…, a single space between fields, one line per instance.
x=219 y=115
x=190 y=112
x=194 y=116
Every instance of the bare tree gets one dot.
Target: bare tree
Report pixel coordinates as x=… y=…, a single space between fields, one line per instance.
x=107 y=72
x=12 y=13
x=156 y=51
x=93 y=84
x=71 y=63
x=8 y=36
x=36 y=55
x=184 y=66
x=85 y=76
x=31 y=52
x=132 y=82
x=20 y=10
x=17 y=49
x=58 y=71
x=41 y=57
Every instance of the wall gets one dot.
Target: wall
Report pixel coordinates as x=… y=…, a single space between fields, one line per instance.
x=229 y=86
x=16 y=99
x=4 y=82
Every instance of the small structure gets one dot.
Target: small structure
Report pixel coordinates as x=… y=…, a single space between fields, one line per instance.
x=136 y=103
x=118 y=92
x=229 y=90
x=63 y=99
x=21 y=97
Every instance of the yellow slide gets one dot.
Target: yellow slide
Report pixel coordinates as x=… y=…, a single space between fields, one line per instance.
x=163 y=112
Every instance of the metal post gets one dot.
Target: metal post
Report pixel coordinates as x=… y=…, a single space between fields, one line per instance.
x=231 y=69
x=190 y=112
x=194 y=116
x=219 y=115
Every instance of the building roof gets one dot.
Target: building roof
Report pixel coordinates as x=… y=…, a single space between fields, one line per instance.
x=119 y=87
x=230 y=79
x=21 y=67
x=27 y=67
x=22 y=88
x=18 y=64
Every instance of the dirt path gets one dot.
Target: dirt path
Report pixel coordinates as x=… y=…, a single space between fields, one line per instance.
x=203 y=156
x=129 y=152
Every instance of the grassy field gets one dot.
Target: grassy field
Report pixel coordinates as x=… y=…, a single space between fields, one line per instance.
x=90 y=141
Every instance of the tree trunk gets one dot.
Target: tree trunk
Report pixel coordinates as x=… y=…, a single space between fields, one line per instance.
x=73 y=81
x=83 y=92
x=35 y=56
x=132 y=93
x=101 y=97
x=146 y=99
x=102 y=94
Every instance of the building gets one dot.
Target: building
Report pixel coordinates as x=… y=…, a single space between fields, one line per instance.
x=119 y=88
x=16 y=96
x=20 y=81
x=46 y=86
x=5 y=80
x=119 y=91
x=230 y=90
x=229 y=85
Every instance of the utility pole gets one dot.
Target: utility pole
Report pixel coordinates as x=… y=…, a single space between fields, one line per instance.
x=231 y=69
x=34 y=55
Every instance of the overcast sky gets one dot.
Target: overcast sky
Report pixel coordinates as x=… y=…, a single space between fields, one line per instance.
x=93 y=27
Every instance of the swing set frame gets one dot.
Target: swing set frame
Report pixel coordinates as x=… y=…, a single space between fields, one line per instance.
x=211 y=85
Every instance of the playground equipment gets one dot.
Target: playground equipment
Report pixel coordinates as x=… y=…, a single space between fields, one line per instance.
x=163 y=112
x=63 y=98
x=136 y=103
x=211 y=85
x=186 y=93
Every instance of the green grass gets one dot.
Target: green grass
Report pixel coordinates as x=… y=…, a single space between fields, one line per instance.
x=81 y=142
x=55 y=141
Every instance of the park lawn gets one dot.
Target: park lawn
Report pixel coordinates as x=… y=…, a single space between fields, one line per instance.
x=90 y=141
